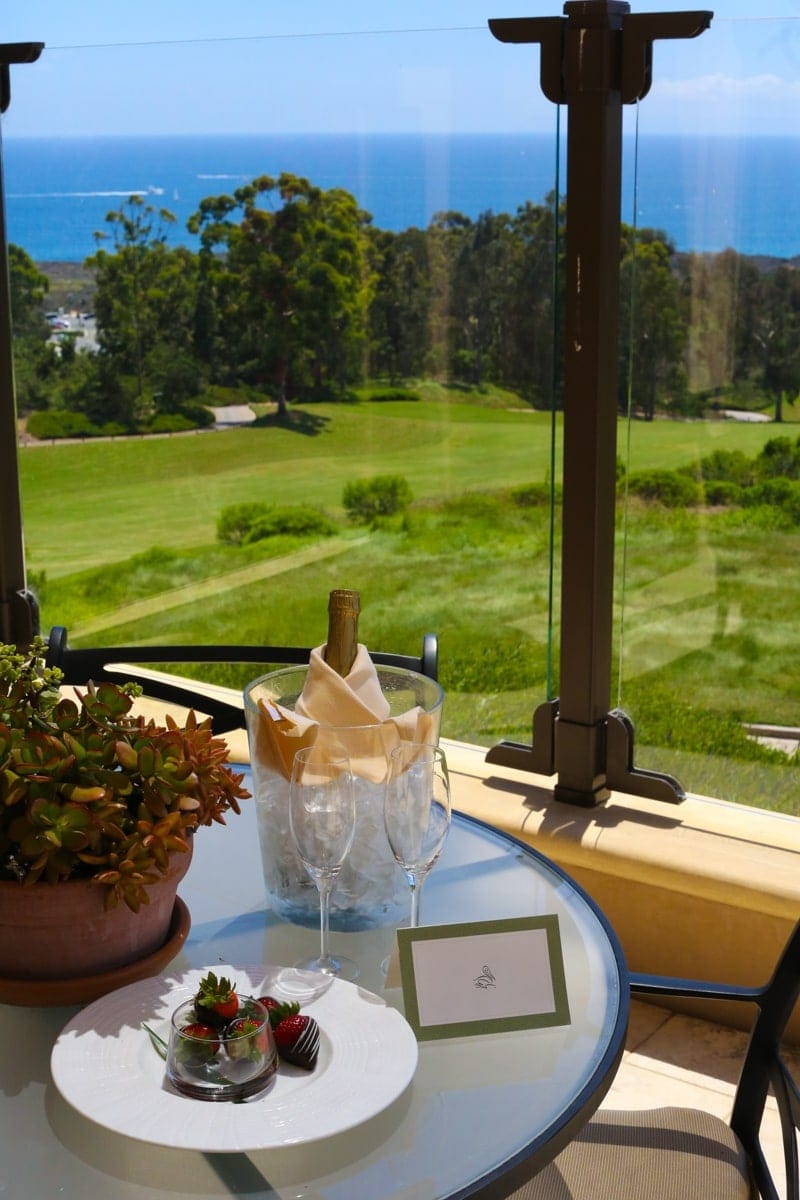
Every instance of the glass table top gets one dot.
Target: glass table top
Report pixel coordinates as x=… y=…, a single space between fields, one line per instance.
x=475 y=1104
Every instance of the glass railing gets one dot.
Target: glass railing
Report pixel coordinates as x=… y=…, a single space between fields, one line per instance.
x=416 y=343
x=709 y=522
x=436 y=369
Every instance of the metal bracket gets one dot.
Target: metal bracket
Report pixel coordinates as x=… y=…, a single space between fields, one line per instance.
x=539 y=757
x=549 y=33
x=638 y=30
x=621 y=774
x=14 y=52
x=620 y=771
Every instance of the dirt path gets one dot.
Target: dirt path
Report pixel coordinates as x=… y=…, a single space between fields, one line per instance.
x=189 y=593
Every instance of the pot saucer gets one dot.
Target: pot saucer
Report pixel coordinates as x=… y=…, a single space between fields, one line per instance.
x=83 y=989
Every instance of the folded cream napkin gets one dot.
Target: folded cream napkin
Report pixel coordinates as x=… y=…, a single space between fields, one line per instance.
x=340 y=714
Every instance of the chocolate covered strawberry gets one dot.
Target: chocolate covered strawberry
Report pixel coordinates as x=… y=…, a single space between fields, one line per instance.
x=216 y=1002
x=297 y=1039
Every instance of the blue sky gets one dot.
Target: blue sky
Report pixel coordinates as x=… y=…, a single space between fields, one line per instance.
x=405 y=65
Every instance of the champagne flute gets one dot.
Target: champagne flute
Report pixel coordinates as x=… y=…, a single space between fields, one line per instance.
x=417 y=812
x=322 y=819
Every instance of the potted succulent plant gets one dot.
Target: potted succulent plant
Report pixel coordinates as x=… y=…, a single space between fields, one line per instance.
x=98 y=802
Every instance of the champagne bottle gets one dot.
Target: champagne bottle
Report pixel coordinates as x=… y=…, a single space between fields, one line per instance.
x=342 y=645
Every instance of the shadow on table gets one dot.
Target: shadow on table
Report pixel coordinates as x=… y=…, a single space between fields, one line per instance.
x=36 y=1029
x=158 y=1168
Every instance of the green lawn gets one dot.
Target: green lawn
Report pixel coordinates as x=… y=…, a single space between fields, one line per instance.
x=103 y=501
x=708 y=609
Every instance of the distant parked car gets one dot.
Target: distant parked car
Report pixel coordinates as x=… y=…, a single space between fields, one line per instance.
x=60 y=323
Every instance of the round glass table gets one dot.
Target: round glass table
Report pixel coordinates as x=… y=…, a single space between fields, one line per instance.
x=478 y=1110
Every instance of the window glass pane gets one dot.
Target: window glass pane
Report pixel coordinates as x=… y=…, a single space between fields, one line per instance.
x=710 y=533
x=417 y=344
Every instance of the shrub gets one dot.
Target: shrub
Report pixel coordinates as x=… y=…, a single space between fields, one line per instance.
x=200 y=416
x=732 y=466
x=780 y=493
x=665 y=718
x=722 y=491
x=770 y=491
x=384 y=394
x=170 y=423
x=243 y=524
x=779 y=457
x=236 y=520
x=365 y=500
x=670 y=488
x=535 y=495
x=60 y=423
x=216 y=395
x=296 y=519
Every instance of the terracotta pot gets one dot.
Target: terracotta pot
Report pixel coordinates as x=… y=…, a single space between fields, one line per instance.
x=63 y=931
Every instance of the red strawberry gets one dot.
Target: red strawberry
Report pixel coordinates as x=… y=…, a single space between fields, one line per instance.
x=216 y=1001
x=278 y=1009
x=195 y=1029
x=249 y=1038
x=199 y=1043
x=297 y=1039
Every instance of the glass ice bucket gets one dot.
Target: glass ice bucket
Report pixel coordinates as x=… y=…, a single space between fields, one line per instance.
x=371 y=890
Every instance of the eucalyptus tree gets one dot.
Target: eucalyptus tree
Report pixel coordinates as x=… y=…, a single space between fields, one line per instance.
x=284 y=286
x=533 y=320
x=35 y=362
x=481 y=288
x=654 y=333
x=719 y=299
x=495 y=309
x=777 y=333
x=144 y=302
x=399 y=315
x=28 y=288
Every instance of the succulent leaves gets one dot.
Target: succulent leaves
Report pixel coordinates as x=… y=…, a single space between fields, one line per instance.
x=88 y=789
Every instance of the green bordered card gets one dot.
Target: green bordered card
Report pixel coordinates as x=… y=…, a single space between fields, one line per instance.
x=483 y=977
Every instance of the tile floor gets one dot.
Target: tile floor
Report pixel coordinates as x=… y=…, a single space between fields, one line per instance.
x=686 y=1062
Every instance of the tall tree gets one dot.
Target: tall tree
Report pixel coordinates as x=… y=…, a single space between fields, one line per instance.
x=479 y=292
x=400 y=310
x=28 y=288
x=654 y=333
x=145 y=296
x=533 y=323
x=778 y=334
x=286 y=288
x=35 y=362
x=719 y=301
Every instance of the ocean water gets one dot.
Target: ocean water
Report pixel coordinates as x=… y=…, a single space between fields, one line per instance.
x=705 y=193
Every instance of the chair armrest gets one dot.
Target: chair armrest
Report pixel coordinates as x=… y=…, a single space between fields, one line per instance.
x=664 y=985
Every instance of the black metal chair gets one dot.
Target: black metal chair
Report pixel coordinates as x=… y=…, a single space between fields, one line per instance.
x=100 y=663
x=685 y=1154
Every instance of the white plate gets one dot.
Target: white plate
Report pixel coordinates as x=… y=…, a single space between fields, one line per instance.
x=105 y=1066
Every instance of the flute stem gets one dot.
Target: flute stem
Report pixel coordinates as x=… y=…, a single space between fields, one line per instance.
x=324 y=920
x=416 y=892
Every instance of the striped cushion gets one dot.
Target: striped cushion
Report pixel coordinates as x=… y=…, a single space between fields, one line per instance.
x=663 y=1154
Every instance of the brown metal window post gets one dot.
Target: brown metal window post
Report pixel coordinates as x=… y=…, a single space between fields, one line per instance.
x=18 y=612
x=594 y=59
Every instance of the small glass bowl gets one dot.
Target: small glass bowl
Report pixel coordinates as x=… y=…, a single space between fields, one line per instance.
x=227 y=1066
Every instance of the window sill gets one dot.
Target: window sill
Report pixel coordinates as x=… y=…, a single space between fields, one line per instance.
x=704 y=889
